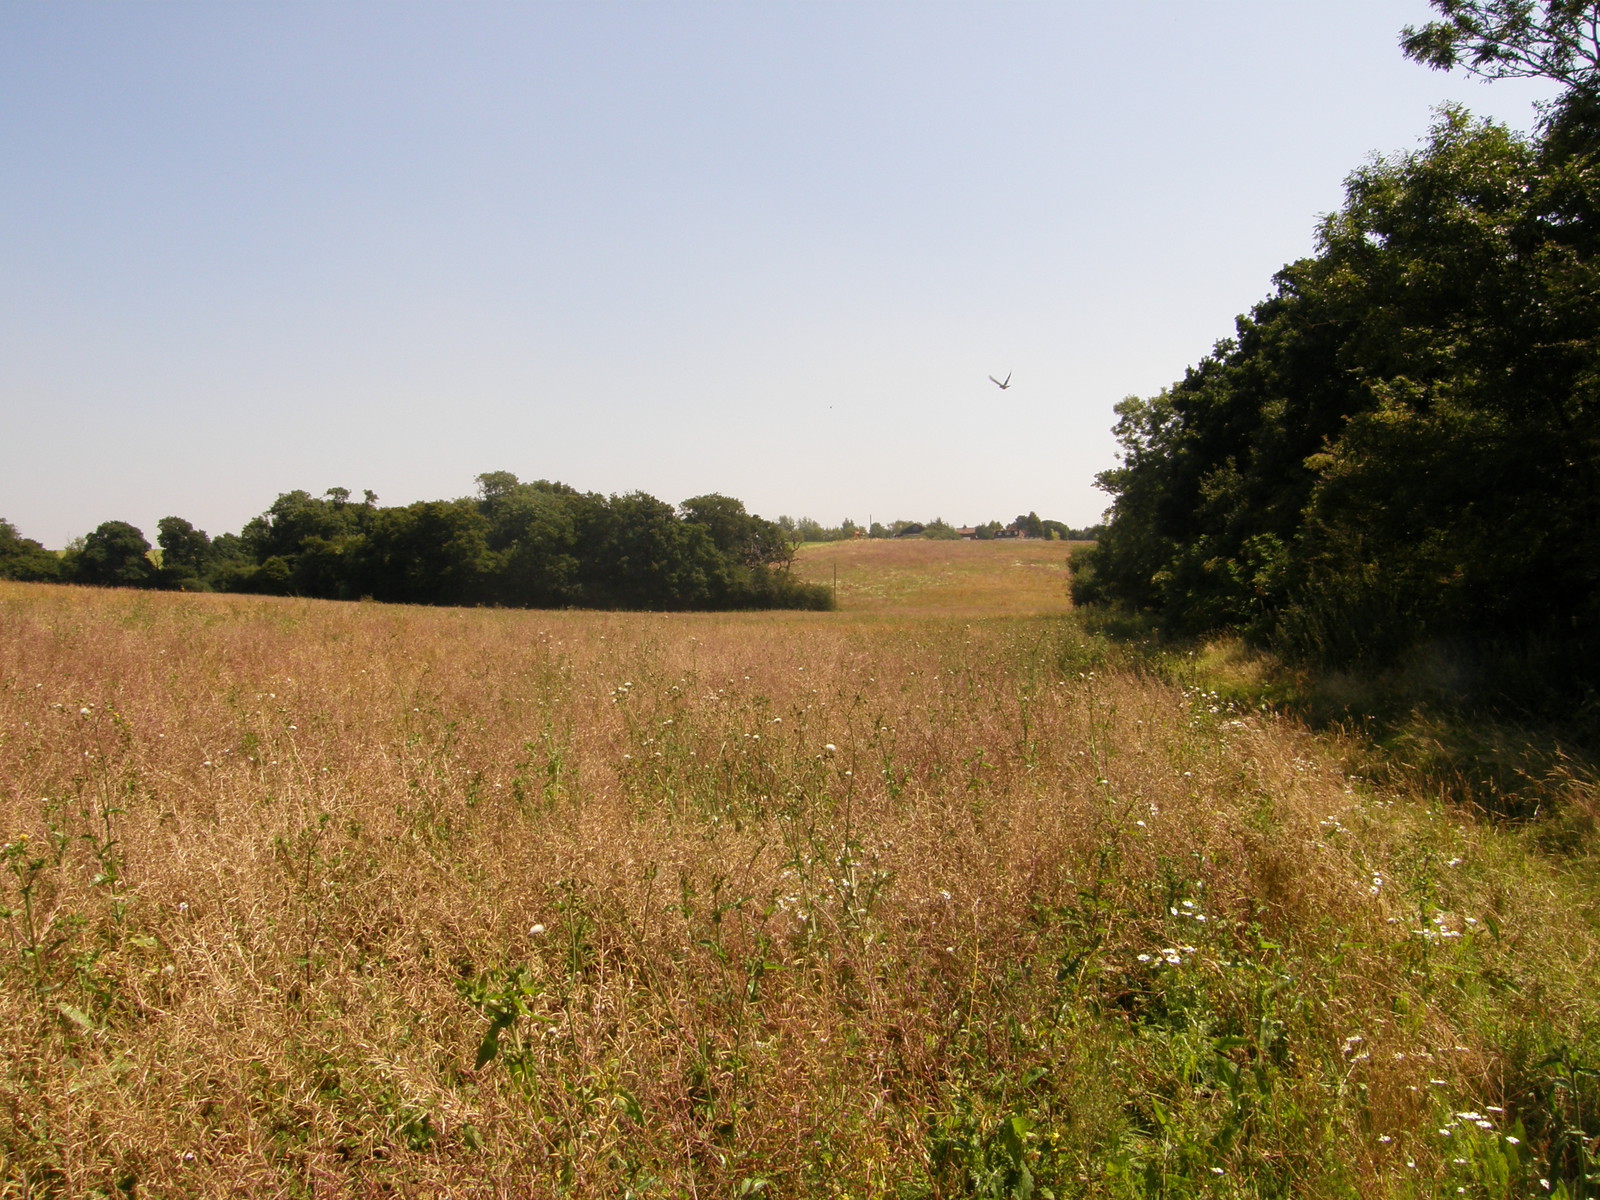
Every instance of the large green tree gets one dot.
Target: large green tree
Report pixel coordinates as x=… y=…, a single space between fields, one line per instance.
x=116 y=554
x=185 y=554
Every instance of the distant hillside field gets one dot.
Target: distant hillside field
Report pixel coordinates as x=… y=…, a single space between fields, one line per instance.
x=1006 y=577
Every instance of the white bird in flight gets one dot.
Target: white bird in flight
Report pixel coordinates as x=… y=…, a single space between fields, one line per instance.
x=998 y=384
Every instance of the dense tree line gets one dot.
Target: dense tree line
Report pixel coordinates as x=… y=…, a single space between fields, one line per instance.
x=938 y=529
x=517 y=544
x=23 y=558
x=1400 y=448
x=1033 y=526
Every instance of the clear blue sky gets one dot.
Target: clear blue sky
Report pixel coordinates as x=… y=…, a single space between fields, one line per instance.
x=763 y=248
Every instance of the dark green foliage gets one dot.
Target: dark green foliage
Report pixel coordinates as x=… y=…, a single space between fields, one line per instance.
x=115 y=555
x=745 y=538
x=1401 y=447
x=185 y=555
x=808 y=530
x=1067 y=533
x=534 y=529
x=638 y=554
x=1030 y=526
x=25 y=559
x=428 y=553
x=938 y=529
x=520 y=544
x=558 y=546
x=272 y=578
x=1506 y=39
x=310 y=537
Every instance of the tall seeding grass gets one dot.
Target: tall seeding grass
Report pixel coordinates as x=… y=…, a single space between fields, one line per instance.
x=311 y=899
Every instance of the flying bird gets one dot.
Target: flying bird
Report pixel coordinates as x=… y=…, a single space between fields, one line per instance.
x=998 y=384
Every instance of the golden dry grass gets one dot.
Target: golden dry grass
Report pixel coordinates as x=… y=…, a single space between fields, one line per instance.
x=942 y=578
x=796 y=904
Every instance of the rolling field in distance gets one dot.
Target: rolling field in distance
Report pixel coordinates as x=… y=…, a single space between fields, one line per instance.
x=939 y=578
x=933 y=896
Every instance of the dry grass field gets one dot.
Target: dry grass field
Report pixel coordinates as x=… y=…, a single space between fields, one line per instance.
x=934 y=578
x=927 y=897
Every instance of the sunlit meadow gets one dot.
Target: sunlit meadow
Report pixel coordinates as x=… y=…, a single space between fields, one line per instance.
x=936 y=895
